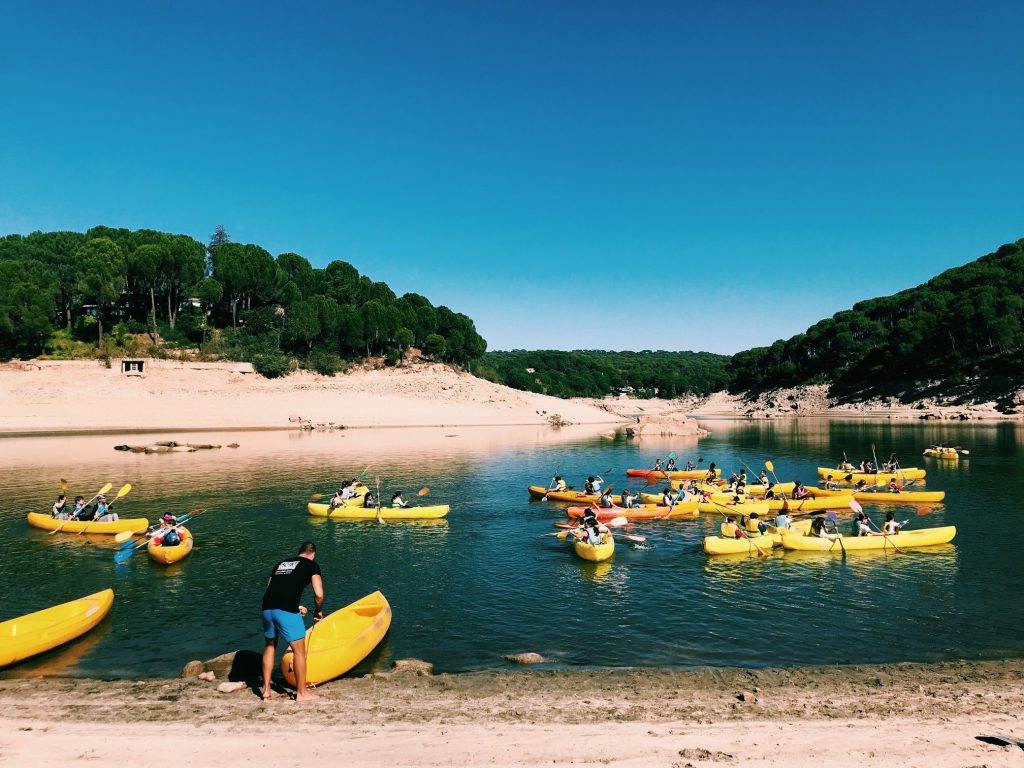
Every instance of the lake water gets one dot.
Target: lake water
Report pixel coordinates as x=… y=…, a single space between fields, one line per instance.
x=485 y=582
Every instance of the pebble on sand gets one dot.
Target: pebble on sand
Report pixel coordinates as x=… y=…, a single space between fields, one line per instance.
x=525 y=658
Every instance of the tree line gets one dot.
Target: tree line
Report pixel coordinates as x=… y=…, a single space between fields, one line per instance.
x=234 y=299
x=592 y=373
x=965 y=325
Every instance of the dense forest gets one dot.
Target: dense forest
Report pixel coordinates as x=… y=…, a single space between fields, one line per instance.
x=962 y=332
x=595 y=373
x=115 y=291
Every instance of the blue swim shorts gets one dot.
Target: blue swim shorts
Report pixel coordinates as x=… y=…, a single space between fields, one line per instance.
x=287 y=625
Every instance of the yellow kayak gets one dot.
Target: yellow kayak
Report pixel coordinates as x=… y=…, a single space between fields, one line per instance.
x=47 y=523
x=752 y=489
x=576 y=497
x=748 y=545
x=36 y=632
x=903 y=497
x=168 y=555
x=675 y=474
x=743 y=508
x=595 y=552
x=341 y=640
x=793 y=505
x=840 y=475
x=925 y=537
x=386 y=513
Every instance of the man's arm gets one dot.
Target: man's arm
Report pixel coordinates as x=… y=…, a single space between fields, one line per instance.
x=318 y=593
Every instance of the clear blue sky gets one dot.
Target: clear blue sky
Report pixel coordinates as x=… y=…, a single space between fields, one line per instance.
x=677 y=175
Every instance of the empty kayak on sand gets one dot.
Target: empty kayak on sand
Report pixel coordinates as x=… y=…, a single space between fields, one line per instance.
x=36 y=632
x=386 y=513
x=47 y=523
x=925 y=537
x=341 y=640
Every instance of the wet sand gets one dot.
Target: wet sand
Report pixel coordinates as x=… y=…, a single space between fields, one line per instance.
x=887 y=715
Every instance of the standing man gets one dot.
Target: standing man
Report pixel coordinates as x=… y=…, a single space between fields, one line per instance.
x=282 y=614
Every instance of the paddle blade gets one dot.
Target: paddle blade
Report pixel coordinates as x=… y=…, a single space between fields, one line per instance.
x=123 y=555
x=423 y=492
x=63 y=485
x=317 y=496
x=618 y=522
x=855 y=506
x=700 y=460
x=363 y=474
x=653 y=480
x=125 y=490
x=831 y=516
x=924 y=511
x=123 y=536
x=672 y=455
x=105 y=488
x=769 y=466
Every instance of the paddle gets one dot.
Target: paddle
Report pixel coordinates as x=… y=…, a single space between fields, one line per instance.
x=771 y=468
x=380 y=517
x=858 y=509
x=122 y=539
x=120 y=495
x=63 y=485
x=125 y=553
x=99 y=493
x=831 y=516
x=552 y=487
x=615 y=522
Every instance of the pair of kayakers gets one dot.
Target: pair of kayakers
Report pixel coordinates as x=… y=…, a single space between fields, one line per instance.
x=592 y=486
x=591 y=530
x=350 y=489
x=751 y=526
x=669 y=466
x=167 y=533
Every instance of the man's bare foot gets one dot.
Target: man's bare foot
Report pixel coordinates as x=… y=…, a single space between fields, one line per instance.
x=301 y=698
x=268 y=695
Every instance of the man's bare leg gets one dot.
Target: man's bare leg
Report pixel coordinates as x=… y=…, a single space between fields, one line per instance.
x=299 y=662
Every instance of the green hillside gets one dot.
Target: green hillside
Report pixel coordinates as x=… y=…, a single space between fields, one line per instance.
x=110 y=291
x=959 y=334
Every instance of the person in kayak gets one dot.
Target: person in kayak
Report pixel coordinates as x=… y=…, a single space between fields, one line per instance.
x=282 y=614
x=668 y=497
x=369 y=500
x=782 y=519
x=103 y=513
x=763 y=479
x=593 y=531
x=890 y=526
x=826 y=529
x=338 y=499
x=799 y=490
x=729 y=528
x=398 y=501
x=59 y=510
x=861 y=526
x=657 y=466
x=593 y=485
x=753 y=526
x=712 y=474
x=606 y=500
x=670 y=465
x=167 y=535
x=893 y=487
x=79 y=512
x=831 y=484
x=690 y=466
x=559 y=483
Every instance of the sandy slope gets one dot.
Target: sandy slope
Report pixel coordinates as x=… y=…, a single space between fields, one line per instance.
x=85 y=395
x=891 y=715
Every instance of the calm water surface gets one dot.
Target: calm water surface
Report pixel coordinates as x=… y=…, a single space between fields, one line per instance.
x=485 y=582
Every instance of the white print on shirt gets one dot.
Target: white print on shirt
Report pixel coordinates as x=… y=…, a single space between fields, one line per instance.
x=286 y=567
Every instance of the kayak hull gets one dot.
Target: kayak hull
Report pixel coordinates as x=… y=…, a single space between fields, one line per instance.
x=168 y=555
x=341 y=640
x=37 y=632
x=47 y=523
x=839 y=475
x=748 y=545
x=676 y=474
x=743 y=508
x=595 y=553
x=575 y=497
x=925 y=537
x=803 y=505
x=903 y=497
x=386 y=513
x=644 y=512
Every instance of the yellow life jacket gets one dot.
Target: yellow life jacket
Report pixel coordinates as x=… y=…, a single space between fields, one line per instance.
x=751 y=525
x=729 y=530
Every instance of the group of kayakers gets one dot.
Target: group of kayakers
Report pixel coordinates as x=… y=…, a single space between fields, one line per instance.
x=353 y=489
x=866 y=466
x=100 y=512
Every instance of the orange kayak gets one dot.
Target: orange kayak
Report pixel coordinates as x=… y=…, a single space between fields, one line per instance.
x=643 y=512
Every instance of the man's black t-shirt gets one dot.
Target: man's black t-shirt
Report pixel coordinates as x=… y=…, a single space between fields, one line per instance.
x=287 y=582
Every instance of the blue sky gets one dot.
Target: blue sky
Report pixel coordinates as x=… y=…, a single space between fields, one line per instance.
x=678 y=175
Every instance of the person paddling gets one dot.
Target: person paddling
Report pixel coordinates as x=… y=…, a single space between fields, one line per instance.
x=60 y=508
x=831 y=484
x=890 y=526
x=167 y=535
x=338 y=499
x=282 y=614
x=670 y=465
x=606 y=500
x=103 y=513
x=79 y=513
x=398 y=501
x=559 y=484
x=729 y=528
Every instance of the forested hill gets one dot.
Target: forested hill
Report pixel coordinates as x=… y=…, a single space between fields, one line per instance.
x=595 y=374
x=116 y=291
x=959 y=334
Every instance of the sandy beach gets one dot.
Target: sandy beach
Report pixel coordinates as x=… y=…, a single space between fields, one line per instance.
x=887 y=715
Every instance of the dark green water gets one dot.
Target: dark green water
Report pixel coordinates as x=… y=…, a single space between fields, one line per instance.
x=485 y=582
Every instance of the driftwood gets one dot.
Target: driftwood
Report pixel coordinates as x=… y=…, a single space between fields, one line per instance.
x=170 y=447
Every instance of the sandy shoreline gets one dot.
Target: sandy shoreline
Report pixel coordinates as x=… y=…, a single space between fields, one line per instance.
x=892 y=714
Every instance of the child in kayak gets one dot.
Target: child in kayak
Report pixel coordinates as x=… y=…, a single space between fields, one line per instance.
x=593 y=485
x=782 y=519
x=730 y=530
x=799 y=490
x=606 y=500
x=890 y=526
x=59 y=509
x=629 y=499
x=103 y=514
x=893 y=487
x=753 y=525
x=670 y=466
x=369 y=501
x=338 y=499
x=559 y=484
x=167 y=535
x=668 y=497
x=657 y=466
x=398 y=501
x=79 y=513
x=831 y=484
